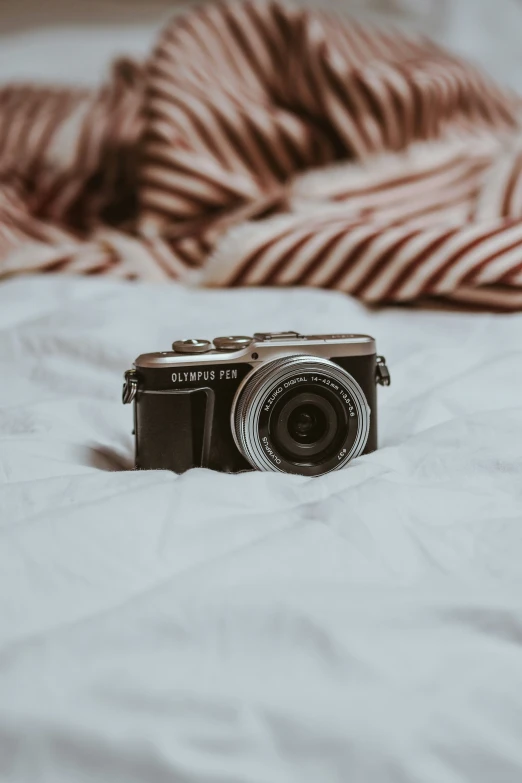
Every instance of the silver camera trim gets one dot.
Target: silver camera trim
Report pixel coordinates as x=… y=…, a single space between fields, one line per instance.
x=270 y=346
x=246 y=406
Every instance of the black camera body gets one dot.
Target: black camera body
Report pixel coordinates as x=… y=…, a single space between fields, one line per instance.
x=274 y=401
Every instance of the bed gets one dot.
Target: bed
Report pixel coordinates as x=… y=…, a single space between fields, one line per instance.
x=364 y=626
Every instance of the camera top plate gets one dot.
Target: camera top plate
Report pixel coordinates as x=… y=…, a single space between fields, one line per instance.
x=262 y=347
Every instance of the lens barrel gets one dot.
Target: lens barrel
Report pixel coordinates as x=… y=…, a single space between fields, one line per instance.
x=300 y=414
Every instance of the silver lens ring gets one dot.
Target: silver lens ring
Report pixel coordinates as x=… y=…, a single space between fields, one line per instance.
x=251 y=394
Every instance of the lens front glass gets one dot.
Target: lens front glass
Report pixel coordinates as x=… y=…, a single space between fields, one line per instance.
x=306 y=425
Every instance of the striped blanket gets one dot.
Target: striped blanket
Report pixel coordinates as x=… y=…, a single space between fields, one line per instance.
x=263 y=144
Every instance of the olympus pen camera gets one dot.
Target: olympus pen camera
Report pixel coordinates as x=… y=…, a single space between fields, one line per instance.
x=275 y=401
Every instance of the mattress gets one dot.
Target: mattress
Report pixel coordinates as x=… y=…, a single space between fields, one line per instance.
x=361 y=626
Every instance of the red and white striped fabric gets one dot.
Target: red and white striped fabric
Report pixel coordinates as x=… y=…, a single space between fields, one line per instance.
x=263 y=144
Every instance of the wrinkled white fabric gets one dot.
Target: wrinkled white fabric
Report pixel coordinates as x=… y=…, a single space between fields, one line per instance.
x=365 y=626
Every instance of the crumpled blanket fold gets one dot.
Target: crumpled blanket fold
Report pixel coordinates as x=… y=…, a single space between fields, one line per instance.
x=262 y=144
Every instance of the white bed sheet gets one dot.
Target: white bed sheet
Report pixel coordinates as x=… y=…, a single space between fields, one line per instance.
x=365 y=626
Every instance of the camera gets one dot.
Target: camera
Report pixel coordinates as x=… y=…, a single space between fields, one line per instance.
x=276 y=401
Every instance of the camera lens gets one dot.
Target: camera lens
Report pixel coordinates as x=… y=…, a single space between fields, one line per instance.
x=300 y=414
x=307 y=424
x=304 y=424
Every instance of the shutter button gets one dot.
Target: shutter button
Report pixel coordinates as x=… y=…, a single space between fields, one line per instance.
x=191 y=346
x=234 y=343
